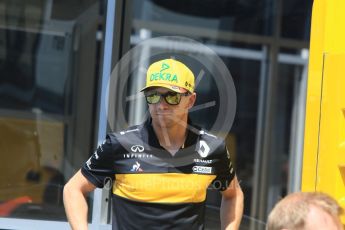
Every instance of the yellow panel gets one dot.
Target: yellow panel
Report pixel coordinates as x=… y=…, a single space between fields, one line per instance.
x=327 y=37
x=335 y=27
x=331 y=162
x=324 y=140
x=313 y=96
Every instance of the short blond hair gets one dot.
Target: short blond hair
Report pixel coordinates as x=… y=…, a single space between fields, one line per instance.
x=291 y=212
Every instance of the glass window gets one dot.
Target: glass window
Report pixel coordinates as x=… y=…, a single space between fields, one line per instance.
x=296 y=19
x=268 y=74
x=205 y=17
x=49 y=62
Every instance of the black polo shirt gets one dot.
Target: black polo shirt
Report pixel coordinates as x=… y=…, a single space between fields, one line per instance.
x=153 y=189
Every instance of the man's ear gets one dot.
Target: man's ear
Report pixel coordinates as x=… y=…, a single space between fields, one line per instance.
x=192 y=100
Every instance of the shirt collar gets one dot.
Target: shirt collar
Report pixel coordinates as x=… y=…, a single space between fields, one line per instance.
x=152 y=140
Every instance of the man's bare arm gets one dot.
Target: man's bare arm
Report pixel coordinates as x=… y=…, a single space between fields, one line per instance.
x=74 y=200
x=231 y=209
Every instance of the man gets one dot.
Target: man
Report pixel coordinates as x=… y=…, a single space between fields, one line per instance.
x=161 y=169
x=305 y=211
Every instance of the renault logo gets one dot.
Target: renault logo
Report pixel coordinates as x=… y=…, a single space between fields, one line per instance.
x=137 y=148
x=204 y=149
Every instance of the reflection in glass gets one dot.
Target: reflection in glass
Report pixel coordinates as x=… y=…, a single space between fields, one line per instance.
x=250 y=17
x=47 y=87
x=296 y=19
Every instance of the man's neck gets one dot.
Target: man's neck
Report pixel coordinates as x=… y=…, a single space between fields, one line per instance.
x=171 y=138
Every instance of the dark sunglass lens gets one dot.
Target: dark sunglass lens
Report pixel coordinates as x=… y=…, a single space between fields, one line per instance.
x=173 y=98
x=153 y=98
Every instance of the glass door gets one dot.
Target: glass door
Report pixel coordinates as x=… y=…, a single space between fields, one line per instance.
x=51 y=59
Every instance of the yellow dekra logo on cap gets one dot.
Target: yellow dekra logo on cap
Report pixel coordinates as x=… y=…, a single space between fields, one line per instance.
x=170 y=74
x=164 y=75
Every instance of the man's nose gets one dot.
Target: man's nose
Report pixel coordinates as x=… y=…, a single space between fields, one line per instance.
x=162 y=104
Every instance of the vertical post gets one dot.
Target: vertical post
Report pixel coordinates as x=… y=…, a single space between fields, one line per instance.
x=262 y=202
x=260 y=124
x=98 y=216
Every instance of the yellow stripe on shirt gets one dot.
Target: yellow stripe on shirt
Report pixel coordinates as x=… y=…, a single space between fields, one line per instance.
x=163 y=188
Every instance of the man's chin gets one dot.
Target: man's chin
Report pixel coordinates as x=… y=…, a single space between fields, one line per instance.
x=166 y=120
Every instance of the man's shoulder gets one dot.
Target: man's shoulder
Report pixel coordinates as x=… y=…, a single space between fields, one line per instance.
x=215 y=142
x=130 y=134
x=207 y=136
x=128 y=131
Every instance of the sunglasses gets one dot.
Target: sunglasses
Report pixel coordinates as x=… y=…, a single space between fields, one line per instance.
x=172 y=98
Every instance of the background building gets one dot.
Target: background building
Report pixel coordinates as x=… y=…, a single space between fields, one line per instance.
x=55 y=63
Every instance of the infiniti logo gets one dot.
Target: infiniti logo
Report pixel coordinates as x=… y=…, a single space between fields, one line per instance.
x=137 y=148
